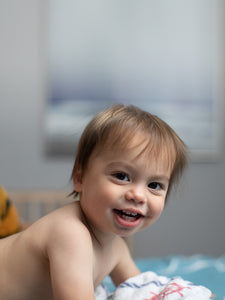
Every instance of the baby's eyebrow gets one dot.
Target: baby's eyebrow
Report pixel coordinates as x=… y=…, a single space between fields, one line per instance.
x=118 y=164
x=160 y=178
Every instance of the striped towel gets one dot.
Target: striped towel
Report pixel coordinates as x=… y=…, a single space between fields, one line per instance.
x=150 y=286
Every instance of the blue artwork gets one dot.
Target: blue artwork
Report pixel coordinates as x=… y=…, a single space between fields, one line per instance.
x=156 y=54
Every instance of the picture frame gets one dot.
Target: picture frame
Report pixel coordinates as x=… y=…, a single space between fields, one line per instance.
x=164 y=57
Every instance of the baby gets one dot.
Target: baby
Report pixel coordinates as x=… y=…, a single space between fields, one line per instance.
x=127 y=162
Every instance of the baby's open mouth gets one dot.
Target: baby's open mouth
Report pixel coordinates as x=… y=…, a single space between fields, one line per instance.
x=128 y=215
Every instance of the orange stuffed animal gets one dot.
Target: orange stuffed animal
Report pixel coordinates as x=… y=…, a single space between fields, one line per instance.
x=9 y=219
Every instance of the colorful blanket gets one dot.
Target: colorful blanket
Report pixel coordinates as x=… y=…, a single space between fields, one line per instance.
x=150 y=286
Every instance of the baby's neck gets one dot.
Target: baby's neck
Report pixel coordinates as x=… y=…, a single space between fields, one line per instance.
x=99 y=237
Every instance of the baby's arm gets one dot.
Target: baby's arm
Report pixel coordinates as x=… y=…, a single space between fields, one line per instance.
x=125 y=267
x=71 y=260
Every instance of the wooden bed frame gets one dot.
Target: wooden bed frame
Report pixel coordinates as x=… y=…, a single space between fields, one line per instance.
x=32 y=205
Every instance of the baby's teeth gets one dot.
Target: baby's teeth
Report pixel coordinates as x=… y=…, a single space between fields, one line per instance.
x=133 y=214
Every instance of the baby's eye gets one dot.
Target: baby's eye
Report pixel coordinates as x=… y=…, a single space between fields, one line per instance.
x=155 y=186
x=121 y=176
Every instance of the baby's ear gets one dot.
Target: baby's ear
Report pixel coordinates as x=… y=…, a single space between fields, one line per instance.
x=77 y=181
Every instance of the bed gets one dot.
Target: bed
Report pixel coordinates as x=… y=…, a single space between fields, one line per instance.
x=200 y=269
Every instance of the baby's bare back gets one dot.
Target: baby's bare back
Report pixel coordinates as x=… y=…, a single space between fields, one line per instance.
x=24 y=260
x=27 y=258
x=24 y=267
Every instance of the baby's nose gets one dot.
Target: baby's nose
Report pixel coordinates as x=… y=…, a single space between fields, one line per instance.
x=136 y=194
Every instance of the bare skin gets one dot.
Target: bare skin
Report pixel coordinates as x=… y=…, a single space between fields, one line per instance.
x=48 y=249
x=66 y=254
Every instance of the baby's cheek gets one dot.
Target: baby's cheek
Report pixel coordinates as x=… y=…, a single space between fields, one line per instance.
x=108 y=195
x=157 y=210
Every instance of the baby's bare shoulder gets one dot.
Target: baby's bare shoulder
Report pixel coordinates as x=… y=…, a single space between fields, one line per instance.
x=27 y=255
x=66 y=226
x=67 y=218
x=61 y=223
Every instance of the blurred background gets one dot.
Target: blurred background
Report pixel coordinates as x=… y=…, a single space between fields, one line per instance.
x=33 y=77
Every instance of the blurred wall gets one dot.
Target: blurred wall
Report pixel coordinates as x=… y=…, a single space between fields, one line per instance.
x=193 y=221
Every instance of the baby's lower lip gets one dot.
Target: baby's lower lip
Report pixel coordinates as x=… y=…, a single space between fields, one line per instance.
x=126 y=220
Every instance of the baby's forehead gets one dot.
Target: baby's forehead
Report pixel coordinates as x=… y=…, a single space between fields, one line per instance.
x=139 y=145
x=126 y=140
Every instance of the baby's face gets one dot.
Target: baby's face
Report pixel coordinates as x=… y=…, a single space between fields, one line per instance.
x=124 y=191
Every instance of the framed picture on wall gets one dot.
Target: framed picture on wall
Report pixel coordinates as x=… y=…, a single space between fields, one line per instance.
x=161 y=56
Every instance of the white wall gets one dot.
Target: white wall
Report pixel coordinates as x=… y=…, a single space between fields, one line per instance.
x=194 y=223
x=22 y=96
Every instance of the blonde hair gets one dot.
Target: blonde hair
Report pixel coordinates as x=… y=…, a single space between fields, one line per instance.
x=117 y=125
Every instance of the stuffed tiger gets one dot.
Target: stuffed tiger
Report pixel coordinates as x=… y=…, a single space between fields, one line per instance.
x=9 y=219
